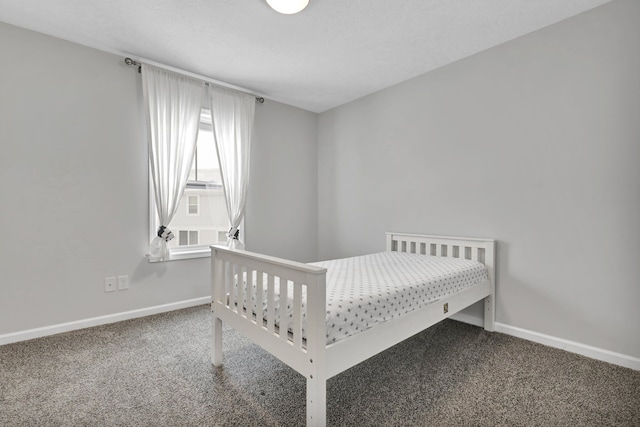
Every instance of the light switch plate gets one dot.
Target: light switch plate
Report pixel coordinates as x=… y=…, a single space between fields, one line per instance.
x=123 y=282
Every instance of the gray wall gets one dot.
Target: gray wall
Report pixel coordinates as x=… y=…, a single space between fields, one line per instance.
x=74 y=187
x=534 y=143
x=282 y=212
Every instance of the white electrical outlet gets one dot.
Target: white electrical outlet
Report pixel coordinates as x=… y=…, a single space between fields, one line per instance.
x=109 y=284
x=123 y=282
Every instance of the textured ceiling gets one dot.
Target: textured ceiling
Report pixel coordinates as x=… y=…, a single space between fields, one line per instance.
x=333 y=52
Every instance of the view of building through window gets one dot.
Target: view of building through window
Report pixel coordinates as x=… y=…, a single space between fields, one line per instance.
x=202 y=219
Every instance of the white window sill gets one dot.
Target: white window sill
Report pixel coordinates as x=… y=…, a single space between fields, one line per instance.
x=192 y=253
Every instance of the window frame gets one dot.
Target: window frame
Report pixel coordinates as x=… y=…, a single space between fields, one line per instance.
x=182 y=252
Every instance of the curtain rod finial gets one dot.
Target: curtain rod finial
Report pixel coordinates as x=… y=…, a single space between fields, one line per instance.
x=131 y=62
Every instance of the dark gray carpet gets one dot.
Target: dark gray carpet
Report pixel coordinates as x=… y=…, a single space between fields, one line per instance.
x=156 y=371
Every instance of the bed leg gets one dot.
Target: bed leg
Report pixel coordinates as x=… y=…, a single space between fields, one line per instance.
x=216 y=343
x=316 y=401
x=489 y=313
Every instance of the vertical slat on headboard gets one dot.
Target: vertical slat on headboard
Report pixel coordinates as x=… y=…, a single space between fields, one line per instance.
x=389 y=244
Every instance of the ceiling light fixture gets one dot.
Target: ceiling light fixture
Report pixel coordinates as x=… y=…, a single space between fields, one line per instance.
x=288 y=7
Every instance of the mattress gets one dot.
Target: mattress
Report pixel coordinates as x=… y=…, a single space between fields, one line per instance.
x=367 y=290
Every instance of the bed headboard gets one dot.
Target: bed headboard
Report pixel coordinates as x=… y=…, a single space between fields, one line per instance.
x=481 y=250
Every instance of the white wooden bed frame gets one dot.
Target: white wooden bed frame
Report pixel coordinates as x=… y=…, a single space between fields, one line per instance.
x=311 y=356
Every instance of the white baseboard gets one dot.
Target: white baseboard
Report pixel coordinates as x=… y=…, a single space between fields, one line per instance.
x=101 y=320
x=548 y=340
x=570 y=346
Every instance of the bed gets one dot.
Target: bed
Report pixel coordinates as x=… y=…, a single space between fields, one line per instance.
x=249 y=290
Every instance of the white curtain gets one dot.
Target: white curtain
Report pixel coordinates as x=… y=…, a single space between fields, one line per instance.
x=173 y=104
x=232 y=117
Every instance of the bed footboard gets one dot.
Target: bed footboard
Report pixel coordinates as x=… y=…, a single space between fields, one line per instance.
x=247 y=288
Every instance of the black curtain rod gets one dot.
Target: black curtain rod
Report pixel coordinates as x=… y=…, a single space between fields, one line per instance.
x=135 y=63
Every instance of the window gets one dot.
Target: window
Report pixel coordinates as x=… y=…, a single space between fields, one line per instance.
x=193 y=205
x=188 y=237
x=201 y=219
